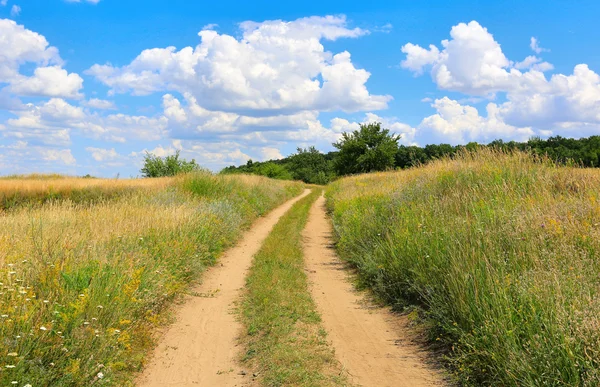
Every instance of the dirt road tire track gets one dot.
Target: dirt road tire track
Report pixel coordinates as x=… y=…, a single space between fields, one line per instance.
x=199 y=349
x=373 y=345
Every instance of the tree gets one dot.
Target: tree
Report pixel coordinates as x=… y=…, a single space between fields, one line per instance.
x=310 y=166
x=156 y=166
x=368 y=149
x=274 y=171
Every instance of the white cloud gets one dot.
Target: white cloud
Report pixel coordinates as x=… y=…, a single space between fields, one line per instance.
x=19 y=46
x=274 y=68
x=535 y=46
x=210 y=26
x=458 y=124
x=61 y=155
x=102 y=155
x=15 y=10
x=52 y=122
x=23 y=157
x=100 y=104
x=417 y=57
x=50 y=81
x=473 y=63
x=3 y=2
x=269 y=153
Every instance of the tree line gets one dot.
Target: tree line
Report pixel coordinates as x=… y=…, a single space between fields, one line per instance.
x=373 y=148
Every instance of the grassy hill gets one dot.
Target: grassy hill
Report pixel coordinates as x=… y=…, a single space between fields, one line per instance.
x=88 y=266
x=498 y=253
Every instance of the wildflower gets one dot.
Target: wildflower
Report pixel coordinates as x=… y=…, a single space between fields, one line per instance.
x=117 y=331
x=46 y=301
x=27 y=385
x=14 y=382
x=99 y=307
x=86 y=323
x=4 y=316
x=24 y=261
x=43 y=328
x=13 y=354
x=12 y=272
x=94 y=319
x=10 y=366
x=100 y=375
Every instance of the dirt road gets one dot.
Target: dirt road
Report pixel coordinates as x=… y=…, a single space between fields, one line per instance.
x=373 y=345
x=199 y=349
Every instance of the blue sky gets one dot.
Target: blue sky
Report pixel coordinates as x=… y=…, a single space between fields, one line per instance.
x=89 y=86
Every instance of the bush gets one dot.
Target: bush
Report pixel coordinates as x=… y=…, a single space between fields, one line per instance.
x=156 y=166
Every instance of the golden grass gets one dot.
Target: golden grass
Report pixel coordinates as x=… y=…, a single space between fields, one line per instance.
x=83 y=285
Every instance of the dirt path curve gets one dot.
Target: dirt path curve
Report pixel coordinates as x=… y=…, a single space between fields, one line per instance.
x=372 y=344
x=199 y=349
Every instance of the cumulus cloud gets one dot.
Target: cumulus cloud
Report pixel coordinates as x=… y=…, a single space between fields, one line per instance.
x=472 y=62
x=15 y=10
x=101 y=154
x=458 y=124
x=19 y=46
x=100 y=104
x=23 y=157
x=274 y=68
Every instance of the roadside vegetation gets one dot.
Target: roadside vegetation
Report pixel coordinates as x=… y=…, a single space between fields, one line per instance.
x=84 y=283
x=373 y=148
x=285 y=341
x=498 y=252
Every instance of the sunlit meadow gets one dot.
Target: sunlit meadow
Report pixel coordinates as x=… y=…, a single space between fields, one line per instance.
x=88 y=267
x=500 y=253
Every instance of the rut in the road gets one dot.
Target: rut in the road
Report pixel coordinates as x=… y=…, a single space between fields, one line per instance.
x=199 y=349
x=372 y=344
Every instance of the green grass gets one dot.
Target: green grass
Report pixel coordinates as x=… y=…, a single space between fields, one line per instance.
x=501 y=253
x=84 y=287
x=285 y=340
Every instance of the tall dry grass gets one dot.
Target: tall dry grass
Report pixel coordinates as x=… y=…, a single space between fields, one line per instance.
x=83 y=286
x=500 y=251
x=35 y=190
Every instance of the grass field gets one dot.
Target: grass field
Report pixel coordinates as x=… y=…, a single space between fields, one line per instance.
x=500 y=255
x=88 y=266
x=285 y=340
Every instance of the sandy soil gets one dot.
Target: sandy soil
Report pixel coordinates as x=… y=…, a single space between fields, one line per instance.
x=199 y=349
x=375 y=346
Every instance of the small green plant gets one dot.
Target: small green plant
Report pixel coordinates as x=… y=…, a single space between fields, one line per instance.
x=156 y=166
